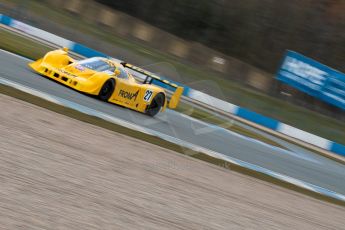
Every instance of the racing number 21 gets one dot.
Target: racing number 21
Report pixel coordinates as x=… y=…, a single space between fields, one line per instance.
x=148 y=95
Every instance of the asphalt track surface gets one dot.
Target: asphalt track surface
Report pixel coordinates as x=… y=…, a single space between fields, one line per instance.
x=298 y=162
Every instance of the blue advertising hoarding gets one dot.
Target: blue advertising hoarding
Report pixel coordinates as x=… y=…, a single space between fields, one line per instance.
x=313 y=78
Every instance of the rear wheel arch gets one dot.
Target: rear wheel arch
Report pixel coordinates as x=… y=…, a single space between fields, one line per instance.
x=156 y=104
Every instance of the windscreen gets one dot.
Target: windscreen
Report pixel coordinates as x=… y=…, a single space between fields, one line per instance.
x=96 y=64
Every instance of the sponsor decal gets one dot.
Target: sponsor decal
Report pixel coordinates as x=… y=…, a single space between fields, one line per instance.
x=79 y=67
x=128 y=95
x=61 y=71
x=67 y=73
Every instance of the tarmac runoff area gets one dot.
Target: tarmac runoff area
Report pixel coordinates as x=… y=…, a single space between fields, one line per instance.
x=61 y=173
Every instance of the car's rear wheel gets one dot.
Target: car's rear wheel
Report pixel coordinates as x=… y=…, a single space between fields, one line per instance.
x=156 y=105
x=107 y=90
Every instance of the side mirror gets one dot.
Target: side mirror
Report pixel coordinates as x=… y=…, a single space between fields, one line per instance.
x=65 y=49
x=117 y=72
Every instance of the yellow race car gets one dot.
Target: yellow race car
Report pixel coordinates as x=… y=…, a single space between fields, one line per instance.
x=109 y=80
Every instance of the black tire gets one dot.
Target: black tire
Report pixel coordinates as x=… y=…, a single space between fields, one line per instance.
x=156 y=105
x=107 y=90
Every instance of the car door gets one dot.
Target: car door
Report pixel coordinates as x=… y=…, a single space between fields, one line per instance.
x=127 y=92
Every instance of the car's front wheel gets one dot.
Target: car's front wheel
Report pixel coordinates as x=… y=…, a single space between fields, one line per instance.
x=107 y=90
x=156 y=105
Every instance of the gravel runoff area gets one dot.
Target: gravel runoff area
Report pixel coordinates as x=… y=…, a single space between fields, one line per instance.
x=61 y=173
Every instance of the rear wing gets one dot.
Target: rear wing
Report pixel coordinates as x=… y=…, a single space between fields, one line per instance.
x=150 y=77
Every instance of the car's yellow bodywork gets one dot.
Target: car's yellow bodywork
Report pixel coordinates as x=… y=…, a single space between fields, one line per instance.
x=59 y=66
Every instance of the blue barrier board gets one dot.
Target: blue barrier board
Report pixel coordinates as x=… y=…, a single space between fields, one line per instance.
x=313 y=78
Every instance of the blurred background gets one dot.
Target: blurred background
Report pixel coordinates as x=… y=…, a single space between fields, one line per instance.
x=229 y=49
x=255 y=31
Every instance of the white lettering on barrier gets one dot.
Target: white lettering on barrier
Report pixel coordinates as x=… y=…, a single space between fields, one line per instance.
x=300 y=80
x=334 y=97
x=304 y=70
x=336 y=86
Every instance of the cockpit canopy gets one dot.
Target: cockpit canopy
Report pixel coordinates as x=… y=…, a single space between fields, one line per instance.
x=97 y=64
x=102 y=65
